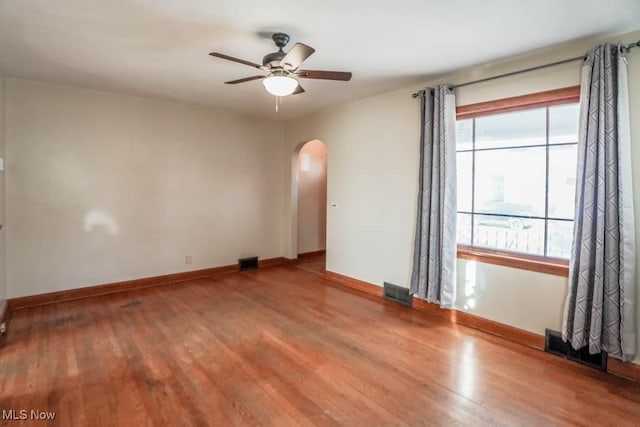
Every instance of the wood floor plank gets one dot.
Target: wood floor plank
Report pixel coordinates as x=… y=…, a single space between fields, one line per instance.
x=279 y=346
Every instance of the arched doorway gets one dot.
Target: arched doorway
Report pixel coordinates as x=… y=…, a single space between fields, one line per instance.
x=311 y=210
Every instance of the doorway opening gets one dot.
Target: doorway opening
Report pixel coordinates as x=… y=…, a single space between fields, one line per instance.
x=311 y=179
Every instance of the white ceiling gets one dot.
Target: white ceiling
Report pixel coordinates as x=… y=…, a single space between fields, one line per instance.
x=159 y=48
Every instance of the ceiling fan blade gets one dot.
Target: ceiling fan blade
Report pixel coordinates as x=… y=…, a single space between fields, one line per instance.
x=297 y=55
x=246 y=79
x=298 y=90
x=324 y=75
x=231 y=58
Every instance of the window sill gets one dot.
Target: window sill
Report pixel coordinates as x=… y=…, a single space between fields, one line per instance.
x=556 y=267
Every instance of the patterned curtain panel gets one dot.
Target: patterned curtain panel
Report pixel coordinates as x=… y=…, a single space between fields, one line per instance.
x=600 y=307
x=434 y=257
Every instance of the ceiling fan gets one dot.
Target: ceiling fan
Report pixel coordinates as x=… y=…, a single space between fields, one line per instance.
x=282 y=67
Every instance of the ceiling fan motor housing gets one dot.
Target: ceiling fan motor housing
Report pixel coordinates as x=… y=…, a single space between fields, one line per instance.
x=273 y=57
x=281 y=40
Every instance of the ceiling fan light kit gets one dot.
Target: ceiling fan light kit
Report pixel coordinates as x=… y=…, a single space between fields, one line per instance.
x=282 y=67
x=280 y=85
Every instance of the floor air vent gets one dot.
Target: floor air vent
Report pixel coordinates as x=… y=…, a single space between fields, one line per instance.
x=553 y=344
x=249 y=263
x=398 y=294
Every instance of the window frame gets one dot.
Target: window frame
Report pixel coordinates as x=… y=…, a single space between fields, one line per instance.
x=538 y=263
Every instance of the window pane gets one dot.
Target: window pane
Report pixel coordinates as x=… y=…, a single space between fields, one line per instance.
x=464 y=172
x=562 y=180
x=511 y=181
x=464 y=229
x=464 y=134
x=559 y=239
x=520 y=128
x=563 y=123
x=509 y=234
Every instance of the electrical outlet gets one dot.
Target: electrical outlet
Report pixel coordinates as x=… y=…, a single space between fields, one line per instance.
x=3 y=328
x=188 y=259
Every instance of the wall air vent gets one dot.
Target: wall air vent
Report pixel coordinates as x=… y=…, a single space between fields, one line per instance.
x=553 y=344
x=249 y=263
x=398 y=294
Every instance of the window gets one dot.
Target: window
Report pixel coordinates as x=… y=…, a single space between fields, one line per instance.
x=516 y=165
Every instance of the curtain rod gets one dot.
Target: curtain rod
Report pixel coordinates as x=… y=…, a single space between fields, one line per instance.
x=626 y=47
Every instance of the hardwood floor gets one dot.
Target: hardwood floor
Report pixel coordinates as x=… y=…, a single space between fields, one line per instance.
x=279 y=346
x=314 y=262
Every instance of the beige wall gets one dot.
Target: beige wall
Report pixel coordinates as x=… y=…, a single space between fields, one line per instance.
x=370 y=232
x=3 y=283
x=104 y=187
x=312 y=196
x=372 y=175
